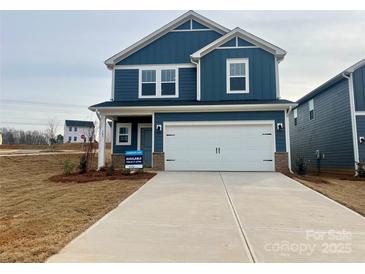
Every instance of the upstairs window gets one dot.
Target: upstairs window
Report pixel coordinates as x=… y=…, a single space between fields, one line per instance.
x=311 y=109
x=295 y=117
x=69 y=128
x=237 y=76
x=148 y=82
x=123 y=134
x=158 y=82
x=168 y=82
x=75 y=129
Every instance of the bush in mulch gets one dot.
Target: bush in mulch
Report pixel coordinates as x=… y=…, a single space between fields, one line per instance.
x=102 y=175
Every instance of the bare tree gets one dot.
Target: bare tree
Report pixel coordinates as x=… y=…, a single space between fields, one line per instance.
x=51 y=134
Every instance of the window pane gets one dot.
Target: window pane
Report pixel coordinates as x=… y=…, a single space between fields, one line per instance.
x=237 y=69
x=148 y=89
x=123 y=130
x=237 y=83
x=123 y=138
x=168 y=89
x=311 y=105
x=148 y=76
x=168 y=75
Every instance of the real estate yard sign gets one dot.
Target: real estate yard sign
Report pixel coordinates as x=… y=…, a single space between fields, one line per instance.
x=133 y=159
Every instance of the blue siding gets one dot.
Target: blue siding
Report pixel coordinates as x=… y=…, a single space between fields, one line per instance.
x=172 y=48
x=197 y=25
x=278 y=116
x=185 y=25
x=117 y=149
x=126 y=84
x=243 y=43
x=359 y=88
x=330 y=131
x=230 y=43
x=360 y=123
x=261 y=74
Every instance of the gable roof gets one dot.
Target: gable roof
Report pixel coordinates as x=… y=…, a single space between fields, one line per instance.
x=78 y=123
x=332 y=81
x=278 y=52
x=162 y=31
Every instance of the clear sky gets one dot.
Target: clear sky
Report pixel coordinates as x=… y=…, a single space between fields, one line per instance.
x=51 y=64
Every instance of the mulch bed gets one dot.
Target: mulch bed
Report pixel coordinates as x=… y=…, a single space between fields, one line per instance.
x=92 y=176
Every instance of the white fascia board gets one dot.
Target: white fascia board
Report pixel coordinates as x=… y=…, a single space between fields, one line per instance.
x=278 y=52
x=139 y=110
x=355 y=67
x=162 y=31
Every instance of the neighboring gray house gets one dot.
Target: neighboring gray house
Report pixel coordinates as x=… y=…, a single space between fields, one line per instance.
x=329 y=123
x=195 y=95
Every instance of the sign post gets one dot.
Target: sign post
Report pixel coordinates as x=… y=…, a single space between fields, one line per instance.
x=133 y=159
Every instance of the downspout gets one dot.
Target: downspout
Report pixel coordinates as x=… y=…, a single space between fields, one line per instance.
x=353 y=117
x=197 y=63
x=287 y=128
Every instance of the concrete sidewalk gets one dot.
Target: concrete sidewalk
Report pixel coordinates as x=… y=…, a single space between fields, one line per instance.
x=222 y=217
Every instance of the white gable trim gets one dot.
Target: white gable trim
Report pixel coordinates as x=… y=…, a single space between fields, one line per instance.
x=162 y=31
x=278 y=52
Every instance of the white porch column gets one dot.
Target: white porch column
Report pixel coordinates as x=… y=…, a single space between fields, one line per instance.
x=101 y=154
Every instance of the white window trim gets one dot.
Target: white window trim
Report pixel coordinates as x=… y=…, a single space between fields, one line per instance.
x=311 y=108
x=158 y=82
x=118 y=126
x=247 y=75
x=295 y=113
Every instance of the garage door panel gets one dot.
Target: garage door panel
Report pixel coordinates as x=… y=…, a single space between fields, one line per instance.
x=241 y=147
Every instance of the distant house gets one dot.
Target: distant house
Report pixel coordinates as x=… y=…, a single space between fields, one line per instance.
x=78 y=131
x=327 y=128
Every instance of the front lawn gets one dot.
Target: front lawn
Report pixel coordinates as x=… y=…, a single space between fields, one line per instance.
x=39 y=217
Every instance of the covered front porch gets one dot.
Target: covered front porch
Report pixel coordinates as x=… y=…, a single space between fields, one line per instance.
x=128 y=132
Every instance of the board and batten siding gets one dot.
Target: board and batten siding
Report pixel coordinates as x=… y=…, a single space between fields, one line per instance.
x=360 y=124
x=172 y=48
x=278 y=116
x=262 y=83
x=359 y=88
x=330 y=131
x=126 y=85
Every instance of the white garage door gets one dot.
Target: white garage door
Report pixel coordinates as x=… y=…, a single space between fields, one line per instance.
x=219 y=146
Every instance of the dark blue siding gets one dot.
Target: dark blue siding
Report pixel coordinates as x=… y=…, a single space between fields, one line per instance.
x=278 y=116
x=230 y=43
x=197 y=25
x=172 y=48
x=117 y=149
x=330 y=131
x=243 y=43
x=185 y=25
x=187 y=84
x=126 y=84
x=261 y=72
x=359 y=88
x=360 y=123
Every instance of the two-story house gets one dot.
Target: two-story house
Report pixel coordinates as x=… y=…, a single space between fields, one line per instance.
x=194 y=95
x=76 y=131
x=327 y=128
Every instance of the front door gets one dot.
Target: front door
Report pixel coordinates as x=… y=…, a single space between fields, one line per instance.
x=146 y=145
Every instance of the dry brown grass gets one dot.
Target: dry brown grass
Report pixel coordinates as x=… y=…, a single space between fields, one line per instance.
x=39 y=217
x=350 y=193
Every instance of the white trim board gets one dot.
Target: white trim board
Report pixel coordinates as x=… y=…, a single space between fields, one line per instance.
x=142 y=66
x=353 y=118
x=148 y=110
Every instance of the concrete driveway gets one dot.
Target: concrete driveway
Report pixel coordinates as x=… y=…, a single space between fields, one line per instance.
x=222 y=217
